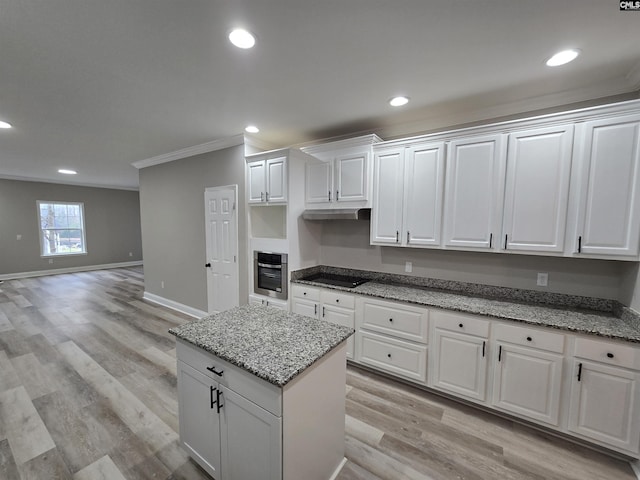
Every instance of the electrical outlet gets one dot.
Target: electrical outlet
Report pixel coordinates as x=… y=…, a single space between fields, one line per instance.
x=162 y=284
x=543 y=279
x=51 y=260
x=131 y=254
x=408 y=267
x=18 y=237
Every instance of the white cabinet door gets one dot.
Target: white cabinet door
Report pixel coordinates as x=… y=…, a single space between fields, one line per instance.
x=386 y=221
x=424 y=179
x=474 y=192
x=257 y=181
x=351 y=177
x=537 y=188
x=609 y=207
x=527 y=382
x=605 y=405
x=318 y=182
x=305 y=307
x=460 y=364
x=341 y=316
x=276 y=180
x=198 y=417
x=251 y=440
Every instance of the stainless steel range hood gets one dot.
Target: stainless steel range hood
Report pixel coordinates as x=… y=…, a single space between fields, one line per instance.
x=338 y=214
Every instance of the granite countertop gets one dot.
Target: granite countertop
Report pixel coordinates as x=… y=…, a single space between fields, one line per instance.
x=268 y=342
x=605 y=318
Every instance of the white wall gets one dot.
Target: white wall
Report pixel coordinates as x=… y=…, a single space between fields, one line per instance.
x=346 y=244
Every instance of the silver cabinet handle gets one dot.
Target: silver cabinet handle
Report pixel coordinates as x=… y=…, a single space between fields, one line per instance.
x=329 y=195
x=262 y=196
x=315 y=308
x=408 y=236
x=397 y=236
x=267 y=195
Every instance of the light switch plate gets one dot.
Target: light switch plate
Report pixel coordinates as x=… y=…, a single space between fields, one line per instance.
x=408 y=267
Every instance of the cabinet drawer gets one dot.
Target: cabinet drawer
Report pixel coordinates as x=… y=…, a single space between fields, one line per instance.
x=302 y=291
x=330 y=297
x=259 y=391
x=395 y=319
x=608 y=352
x=395 y=356
x=530 y=337
x=458 y=322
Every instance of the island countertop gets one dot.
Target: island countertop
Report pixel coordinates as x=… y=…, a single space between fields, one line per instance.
x=272 y=344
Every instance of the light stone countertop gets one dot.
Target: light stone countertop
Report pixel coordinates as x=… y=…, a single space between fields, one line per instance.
x=580 y=320
x=270 y=343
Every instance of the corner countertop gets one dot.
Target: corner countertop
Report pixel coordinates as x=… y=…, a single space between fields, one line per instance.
x=605 y=318
x=270 y=343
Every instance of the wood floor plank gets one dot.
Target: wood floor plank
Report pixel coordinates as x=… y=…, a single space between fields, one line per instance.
x=101 y=469
x=48 y=465
x=33 y=376
x=8 y=468
x=8 y=376
x=24 y=428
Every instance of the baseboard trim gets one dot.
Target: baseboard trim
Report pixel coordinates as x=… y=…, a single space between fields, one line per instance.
x=635 y=466
x=55 y=271
x=336 y=472
x=173 y=305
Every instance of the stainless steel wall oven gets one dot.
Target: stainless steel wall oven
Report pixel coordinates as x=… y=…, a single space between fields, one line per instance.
x=270 y=274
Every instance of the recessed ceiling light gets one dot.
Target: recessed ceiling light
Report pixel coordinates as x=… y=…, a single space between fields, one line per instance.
x=398 y=101
x=5 y=125
x=251 y=129
x=563 y=57
x=67 y=171
x=241 y=38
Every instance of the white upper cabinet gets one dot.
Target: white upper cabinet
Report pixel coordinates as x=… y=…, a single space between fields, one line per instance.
x=342 y=175
x=352 y=177
x=267 y=180
x=408 y=184
x=608 y=218
x=537 y=189
x=424 y=178
x=388 y=180
x=319 y=182
x=474 y=192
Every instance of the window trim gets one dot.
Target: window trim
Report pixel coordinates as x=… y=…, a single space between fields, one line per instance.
x=83 y=229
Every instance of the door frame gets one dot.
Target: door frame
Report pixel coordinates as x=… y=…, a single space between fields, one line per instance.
x=233 y=187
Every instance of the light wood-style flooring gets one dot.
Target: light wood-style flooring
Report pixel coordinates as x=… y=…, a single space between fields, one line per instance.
x=88 y=392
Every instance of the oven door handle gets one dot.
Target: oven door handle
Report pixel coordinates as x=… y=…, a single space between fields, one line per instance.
x=269 y=265
x=270 y=275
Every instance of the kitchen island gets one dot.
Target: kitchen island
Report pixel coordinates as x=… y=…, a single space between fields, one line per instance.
x=261 y=394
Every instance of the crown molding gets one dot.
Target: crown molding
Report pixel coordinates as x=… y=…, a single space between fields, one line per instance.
x=328 y=144
x=71 y=184
x=219 y=144
x=255 y=145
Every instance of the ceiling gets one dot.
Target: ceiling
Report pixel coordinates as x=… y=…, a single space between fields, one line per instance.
x=95 y=85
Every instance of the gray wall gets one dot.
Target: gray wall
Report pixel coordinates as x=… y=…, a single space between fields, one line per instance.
x=346 y=244
x=173 y=223
x=112 y=222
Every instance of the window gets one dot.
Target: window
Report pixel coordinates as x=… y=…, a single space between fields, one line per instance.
x=61 y=228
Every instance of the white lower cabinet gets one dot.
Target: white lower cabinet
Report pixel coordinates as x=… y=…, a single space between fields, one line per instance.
x=267 y=302
x=327 y=305
x=239 y=427
x=393 y=337
x=460 y=355
x=605 y=394
x=199 y=429
x=528 y=373
x=251 y=439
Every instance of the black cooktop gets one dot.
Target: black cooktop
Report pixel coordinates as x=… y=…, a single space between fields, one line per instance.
x=336 y=280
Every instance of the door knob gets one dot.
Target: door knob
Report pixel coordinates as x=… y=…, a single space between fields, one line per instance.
x=208 y=265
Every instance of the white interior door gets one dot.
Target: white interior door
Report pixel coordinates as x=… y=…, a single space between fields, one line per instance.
x=222 y=248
